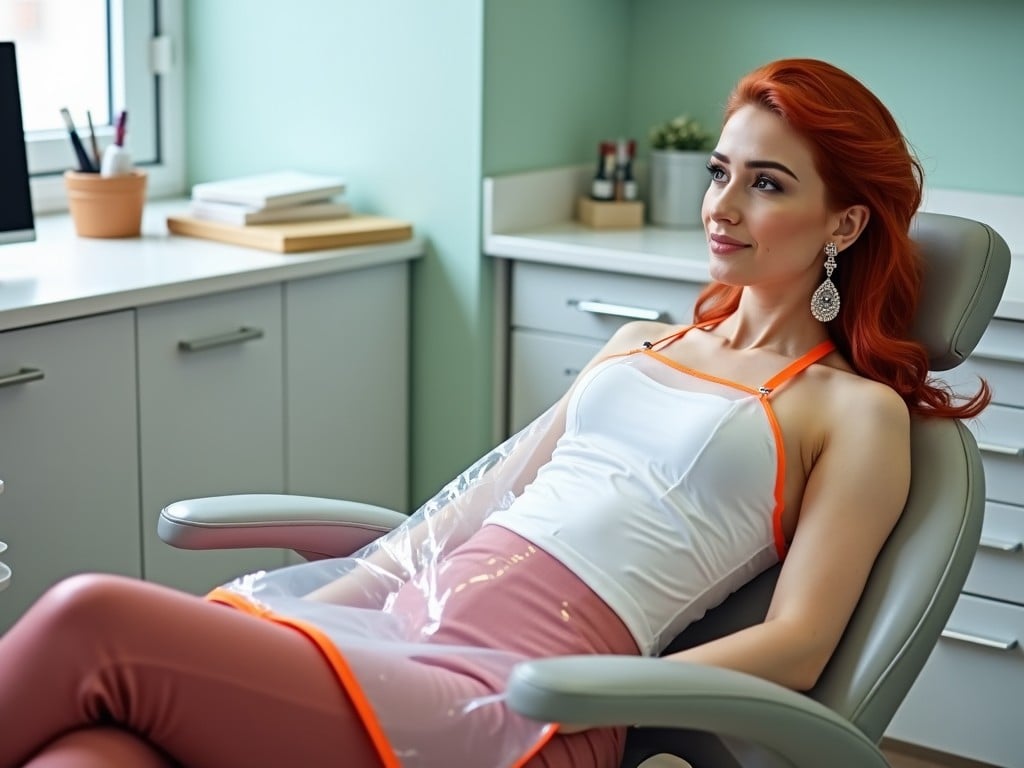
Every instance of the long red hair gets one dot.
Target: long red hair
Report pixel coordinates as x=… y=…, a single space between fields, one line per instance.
x=863 y=158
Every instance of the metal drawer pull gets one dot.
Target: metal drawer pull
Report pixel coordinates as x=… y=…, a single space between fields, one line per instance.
x=617 y=310
x=1002 y=450
x=22 y=376
x=1001 y=545
x=221 y=339
x=987 y=642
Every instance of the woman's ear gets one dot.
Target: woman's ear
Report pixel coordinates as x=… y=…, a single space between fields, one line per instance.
x=851 y=223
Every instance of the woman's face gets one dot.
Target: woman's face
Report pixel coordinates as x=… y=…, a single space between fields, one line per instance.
x=764 y=212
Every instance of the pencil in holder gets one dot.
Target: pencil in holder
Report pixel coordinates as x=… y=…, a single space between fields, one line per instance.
x=106 y=206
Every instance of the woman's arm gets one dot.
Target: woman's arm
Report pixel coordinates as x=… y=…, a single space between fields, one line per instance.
x=853 y=498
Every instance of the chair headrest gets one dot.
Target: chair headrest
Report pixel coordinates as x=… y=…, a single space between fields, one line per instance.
x=966 y=264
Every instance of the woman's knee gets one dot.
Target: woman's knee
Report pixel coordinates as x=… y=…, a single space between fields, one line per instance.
x=99 y=748
x=93 y=599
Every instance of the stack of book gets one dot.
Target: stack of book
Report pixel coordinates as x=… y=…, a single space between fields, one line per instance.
x=270 y=198
x=286 y=212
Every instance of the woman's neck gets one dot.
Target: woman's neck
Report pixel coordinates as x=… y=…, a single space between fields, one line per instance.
x=786 y=328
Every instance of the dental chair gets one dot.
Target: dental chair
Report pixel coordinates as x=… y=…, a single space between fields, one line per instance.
x=715 y=718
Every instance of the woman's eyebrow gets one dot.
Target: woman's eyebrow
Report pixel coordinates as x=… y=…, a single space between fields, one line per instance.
x=759 y=164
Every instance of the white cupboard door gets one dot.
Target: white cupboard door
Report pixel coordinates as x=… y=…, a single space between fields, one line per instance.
x=211 y=420
x=68 y=454
x=347 y=341
x=543 y=367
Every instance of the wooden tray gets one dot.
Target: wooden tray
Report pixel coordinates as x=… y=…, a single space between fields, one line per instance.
x=297 y=236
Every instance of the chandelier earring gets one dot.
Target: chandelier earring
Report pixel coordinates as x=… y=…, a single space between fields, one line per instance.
x=825 y=301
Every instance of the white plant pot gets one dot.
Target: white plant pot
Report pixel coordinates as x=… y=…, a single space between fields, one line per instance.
x=679 y=180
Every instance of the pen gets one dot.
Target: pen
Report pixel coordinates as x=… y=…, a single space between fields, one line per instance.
x=84 y=163
x=92 y=139
x=122 y=119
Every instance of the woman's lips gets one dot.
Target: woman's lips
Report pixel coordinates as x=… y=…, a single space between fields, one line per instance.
x=723 y=244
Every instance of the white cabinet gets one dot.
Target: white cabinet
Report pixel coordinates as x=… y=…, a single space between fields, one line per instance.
x=211 y=420
x=561 y=317
x=347 y=374
x=978 y=665
x=136 y=372
x=68 y=454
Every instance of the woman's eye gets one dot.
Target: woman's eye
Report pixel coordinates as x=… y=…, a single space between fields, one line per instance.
x=767 y=183
x=717 y=172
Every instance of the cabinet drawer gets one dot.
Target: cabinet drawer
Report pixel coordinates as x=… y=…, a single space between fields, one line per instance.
x=211 y=411
x=999 y=359
x=594 y=304
x=544 y=366
x=68 y=454
x=967 y=699
x=1000 y=435
x=998 y=569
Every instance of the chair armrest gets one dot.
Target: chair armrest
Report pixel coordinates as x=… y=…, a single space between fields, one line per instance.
x=624 y=690
x=312 y=526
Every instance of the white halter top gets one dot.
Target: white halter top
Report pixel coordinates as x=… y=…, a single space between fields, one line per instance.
x=665 y=493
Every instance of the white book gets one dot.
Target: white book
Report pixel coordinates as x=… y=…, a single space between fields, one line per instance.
x=243 y=215
x=270 y=190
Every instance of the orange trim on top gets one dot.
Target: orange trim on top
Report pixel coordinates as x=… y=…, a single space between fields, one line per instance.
x=674 y=336
x=779 y=491
x=700 y=374
x=341 y=668
x=807 y=359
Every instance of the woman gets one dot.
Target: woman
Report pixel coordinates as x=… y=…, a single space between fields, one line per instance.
x=683 y=462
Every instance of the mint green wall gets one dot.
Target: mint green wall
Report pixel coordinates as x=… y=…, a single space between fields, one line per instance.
x=555 y=80
x=415 y=101
x=387 y=94
x=949 y=70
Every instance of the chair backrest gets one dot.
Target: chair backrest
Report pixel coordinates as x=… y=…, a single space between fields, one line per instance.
x=918 y=576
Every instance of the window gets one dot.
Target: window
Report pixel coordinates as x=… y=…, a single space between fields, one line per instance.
x=98 y=57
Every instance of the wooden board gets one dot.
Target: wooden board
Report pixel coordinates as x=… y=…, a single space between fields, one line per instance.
x=297 y=236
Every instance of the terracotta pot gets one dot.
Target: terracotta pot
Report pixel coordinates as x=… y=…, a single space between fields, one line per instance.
x=106 y=206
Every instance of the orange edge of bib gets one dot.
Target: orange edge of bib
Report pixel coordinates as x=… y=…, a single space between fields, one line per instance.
x=347 y=678
x=342 y=670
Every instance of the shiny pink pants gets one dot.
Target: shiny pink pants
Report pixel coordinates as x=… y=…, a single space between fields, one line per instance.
x=108 y=671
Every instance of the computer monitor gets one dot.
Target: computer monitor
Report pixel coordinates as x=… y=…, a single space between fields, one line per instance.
x=16 y=221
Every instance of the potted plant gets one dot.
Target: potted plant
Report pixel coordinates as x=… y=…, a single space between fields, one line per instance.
x=677 y=171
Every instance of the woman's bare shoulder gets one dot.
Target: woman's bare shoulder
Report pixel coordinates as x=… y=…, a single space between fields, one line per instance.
x=632 y=335
x=855 y=396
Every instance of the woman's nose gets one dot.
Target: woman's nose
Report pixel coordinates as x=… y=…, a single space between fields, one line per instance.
x=720 y=203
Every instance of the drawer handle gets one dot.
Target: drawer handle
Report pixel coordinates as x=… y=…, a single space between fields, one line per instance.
x=21 y=377
x=986 y=642
x=617 y=310
x=1002 y=450
x=1000 y=545
x=221 y=339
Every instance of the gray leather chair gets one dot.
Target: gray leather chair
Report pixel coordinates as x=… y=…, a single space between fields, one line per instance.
x=717 y=718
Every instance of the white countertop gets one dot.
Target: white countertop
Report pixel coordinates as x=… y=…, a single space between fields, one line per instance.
x=529 y=216
x=60 y=275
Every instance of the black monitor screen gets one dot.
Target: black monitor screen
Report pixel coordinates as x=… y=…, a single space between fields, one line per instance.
x=16 y=221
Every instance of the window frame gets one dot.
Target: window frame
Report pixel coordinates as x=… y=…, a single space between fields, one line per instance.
x=137 y=24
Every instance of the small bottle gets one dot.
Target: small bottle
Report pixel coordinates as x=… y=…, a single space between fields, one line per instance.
x=626 y=186
x=603 y=185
